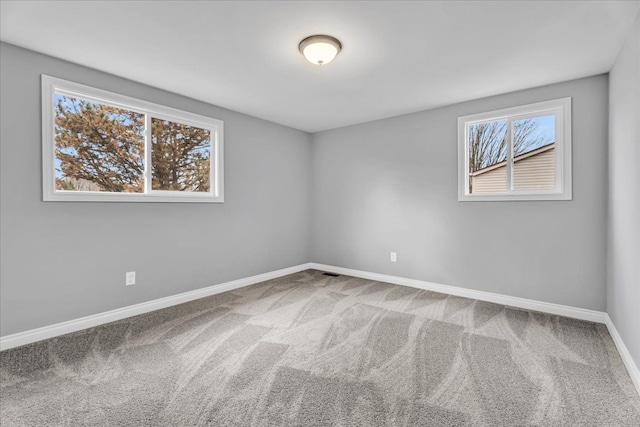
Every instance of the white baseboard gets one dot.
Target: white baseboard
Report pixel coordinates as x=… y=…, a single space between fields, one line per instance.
x=528 y=304
x=632 y=368
x=33 y=335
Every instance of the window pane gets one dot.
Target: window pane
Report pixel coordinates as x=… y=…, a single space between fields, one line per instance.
x=534 y=153
x=487 y=154
x=180 y=156
x=97 y=147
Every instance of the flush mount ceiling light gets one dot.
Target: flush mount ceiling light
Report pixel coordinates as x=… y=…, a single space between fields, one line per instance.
x=320 y=49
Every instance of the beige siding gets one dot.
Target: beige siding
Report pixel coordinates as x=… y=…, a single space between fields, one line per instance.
x=533 y=172
x=493 y=181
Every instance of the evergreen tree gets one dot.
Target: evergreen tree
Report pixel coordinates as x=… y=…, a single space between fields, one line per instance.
x=180 y=156
x=100 y=144
x=101 y=148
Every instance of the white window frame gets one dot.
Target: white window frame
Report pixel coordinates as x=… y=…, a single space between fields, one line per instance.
x=561 y=108
x=53 y=85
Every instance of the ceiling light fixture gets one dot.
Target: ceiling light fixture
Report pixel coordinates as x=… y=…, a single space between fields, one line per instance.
x=320 y=49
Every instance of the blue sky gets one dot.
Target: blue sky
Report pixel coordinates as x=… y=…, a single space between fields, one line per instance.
x=546 y=126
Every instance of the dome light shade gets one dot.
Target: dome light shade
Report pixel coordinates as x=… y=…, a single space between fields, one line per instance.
x=320 y=49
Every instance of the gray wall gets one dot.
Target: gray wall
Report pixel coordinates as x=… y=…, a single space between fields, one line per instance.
x=60 y=261
x=345 y=197
x=391 y=185
x=623 y=290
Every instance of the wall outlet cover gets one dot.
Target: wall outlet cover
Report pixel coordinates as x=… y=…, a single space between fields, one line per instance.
x=130 y=278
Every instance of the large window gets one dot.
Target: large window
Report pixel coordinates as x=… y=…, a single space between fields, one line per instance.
x=520 y=153
x=101 y=146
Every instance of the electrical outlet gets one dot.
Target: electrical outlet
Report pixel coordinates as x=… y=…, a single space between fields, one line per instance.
x=130 y=278
x=394 y=257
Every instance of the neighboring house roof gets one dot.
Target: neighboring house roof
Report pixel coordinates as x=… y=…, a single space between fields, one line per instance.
x=522 y=156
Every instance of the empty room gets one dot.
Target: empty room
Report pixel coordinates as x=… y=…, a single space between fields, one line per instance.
x=319 y=213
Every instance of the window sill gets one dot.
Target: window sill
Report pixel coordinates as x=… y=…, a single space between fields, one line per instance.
x=513 y=197
x=132 y=197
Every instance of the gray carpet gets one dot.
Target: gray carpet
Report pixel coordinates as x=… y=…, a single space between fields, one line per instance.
x=310 y=350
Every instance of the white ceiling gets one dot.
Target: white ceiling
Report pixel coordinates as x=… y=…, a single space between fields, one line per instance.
x=397 y=57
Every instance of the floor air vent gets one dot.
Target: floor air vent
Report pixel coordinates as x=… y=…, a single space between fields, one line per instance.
x=331 y=274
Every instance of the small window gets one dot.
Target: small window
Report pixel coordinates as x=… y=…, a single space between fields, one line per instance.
x=100 y=146
x=520 y=153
